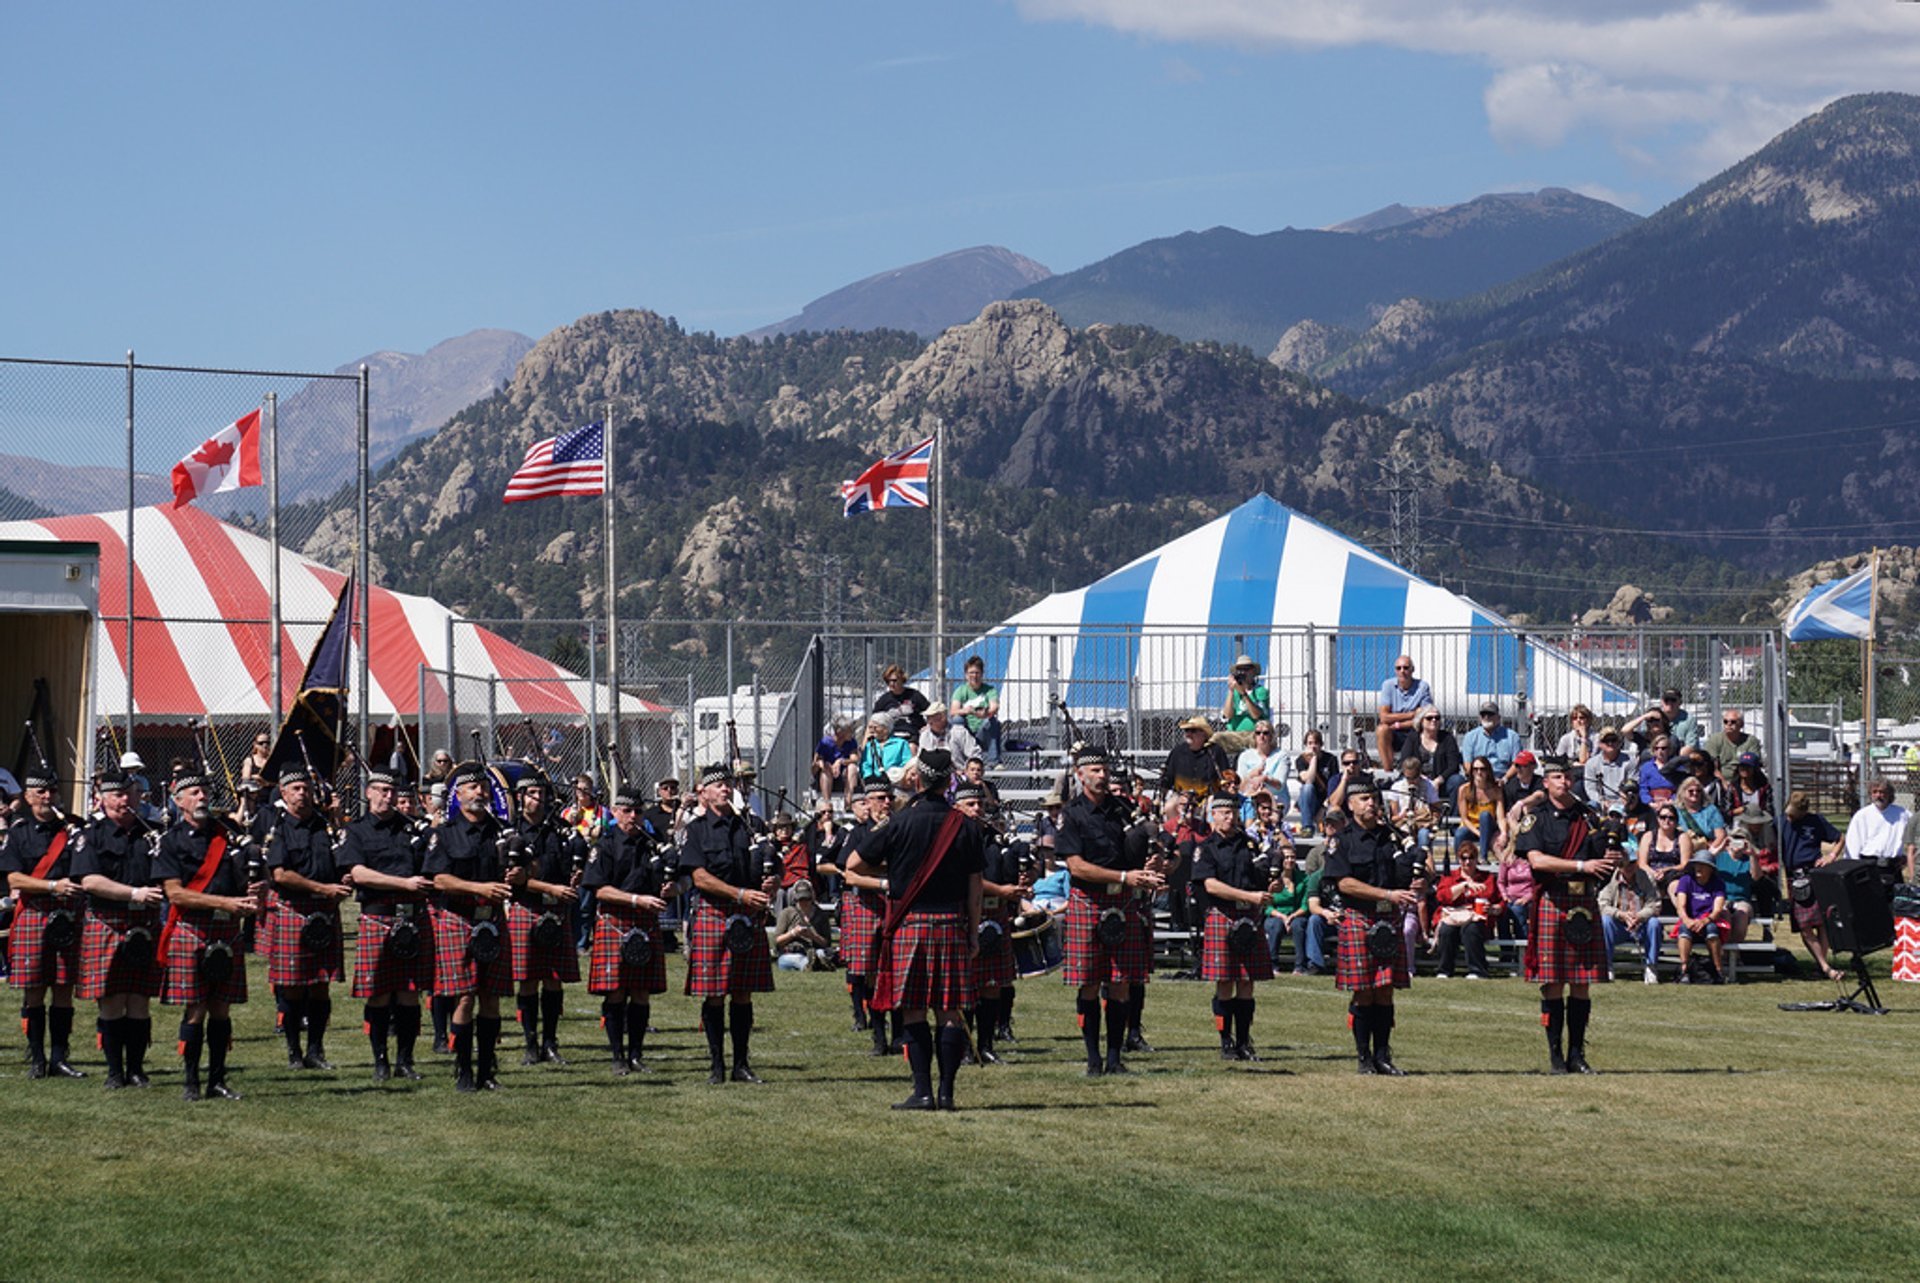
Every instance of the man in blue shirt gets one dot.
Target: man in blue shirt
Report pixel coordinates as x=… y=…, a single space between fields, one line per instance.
x=1493 y=740
x=1401 y=699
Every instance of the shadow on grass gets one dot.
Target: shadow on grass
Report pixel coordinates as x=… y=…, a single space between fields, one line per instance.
x=1035 y=1106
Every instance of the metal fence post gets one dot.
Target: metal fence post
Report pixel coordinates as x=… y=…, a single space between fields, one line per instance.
x=493 y=699
x=729 y=670
x=1640 y=661
x=757 y=762
x=593 y=702
x=692 y=730
x=1522 y=695
x=453 y=724
x=1313 y=682
x=1133 y=689
x=1053 y=690
x=1714 y=665
x=420 y=723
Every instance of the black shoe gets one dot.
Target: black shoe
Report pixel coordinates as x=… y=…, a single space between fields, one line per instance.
x=113 y=1083
x=1245 y=1052
x=1556 y=1063
x=896 y=1047
x=1136 y=1043
x=381 y=1071
x=531 y=1056
x=620 y=1067
x=990 y=1058
x=314 y=1060
x=1115 y=1065
x=190 y=1092
x=406 y=1070
x=881 y=1049
x=465 y=1083
x=1095 y=1069
x=743 y=1073
x=1367 y=1066
x=716 y=1076
x=61 y=1069
x=1228 y=1051
x=945 y=1101
x=220 y=1091
x=917 y=1102
x=489 y=1083
x=296 y=1061
x=440 y=1047
x=860 y=1024
x=38 y=1069
x=1383 y=1065
x=638 y=1065
x=1004 y=1033
x=1577 y=1063
x=139 y=1080
x=551 y=1054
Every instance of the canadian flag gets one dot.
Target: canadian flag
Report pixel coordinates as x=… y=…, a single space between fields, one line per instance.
x=227 y=460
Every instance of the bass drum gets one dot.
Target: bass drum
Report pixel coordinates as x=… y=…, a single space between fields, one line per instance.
x=502 y=778
x=1036 y=943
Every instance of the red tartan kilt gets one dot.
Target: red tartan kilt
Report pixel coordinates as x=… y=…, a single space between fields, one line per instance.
x=1808 y=916
x=1087 y=961
x=529 y=963
x=1358 y=968
x=30 y=961
x=928 y=959
x=102 y=970
x=997 y=970
x=191 y=935
x=605 y=972
x=287 y=962
x=860 y=917
x=1552 y=959
x=377 y=972
x=454 y=970
x=712 y=971
x=1219 y=962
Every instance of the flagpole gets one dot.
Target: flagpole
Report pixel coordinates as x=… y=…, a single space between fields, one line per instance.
x=128 y=738
x=273 y=536
x=365 y=591
x=1869 y=711
x=939 y=557
x=613 y=629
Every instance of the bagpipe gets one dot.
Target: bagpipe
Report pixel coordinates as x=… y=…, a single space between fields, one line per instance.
x=741 y=928
x=62 y=927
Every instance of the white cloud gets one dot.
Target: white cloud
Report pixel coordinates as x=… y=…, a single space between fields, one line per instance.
x=1684 y=86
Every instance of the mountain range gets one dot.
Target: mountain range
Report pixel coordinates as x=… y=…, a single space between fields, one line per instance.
x=922 y=298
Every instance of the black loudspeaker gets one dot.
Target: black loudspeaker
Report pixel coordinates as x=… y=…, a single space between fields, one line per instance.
x=1854 y=900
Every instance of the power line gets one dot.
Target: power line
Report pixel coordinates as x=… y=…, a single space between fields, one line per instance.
x=1742 y=442
x=1500 y=521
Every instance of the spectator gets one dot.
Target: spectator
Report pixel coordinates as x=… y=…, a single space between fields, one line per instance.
x=978 y=705
x=1878 y=832
x=1699 y=898
x=1660 y=855
x=1735 y=867
x=1751 y=797
x=1809 y=840
x=1702 y=827
x=1525 y=781
x=1290 y=915
x=1469 y=902
x=1630 y=906
x=1493 y=740
x=943 y=732
x=1513 y=877
x=1247 y=704
x=1046 y=825
x=1681 y=724
x=1440 y=759
x=1644 y=729
x=668 y=815
x=1401 y=698
x=836 y=762
x=1196 y=764
x=1610 y=774
x=888 y=746
x=803 y=934
x=1315 y=769
x=585 y=815
x=795 y=856
x=254 y=765
x=1353 y=768
x=441 y=768
x=1413 y=803
x=1731 y=741
x=1699 y=763
x=1263 y=768
x=1481 y=808
x=1577 y=745
x=899 y=697
x=1658 y=772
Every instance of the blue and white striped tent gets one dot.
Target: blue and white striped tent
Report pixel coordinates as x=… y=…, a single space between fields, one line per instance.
x=1323 y=615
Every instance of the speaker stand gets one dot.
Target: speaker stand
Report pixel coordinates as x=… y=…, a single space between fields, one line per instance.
x=1862 y=989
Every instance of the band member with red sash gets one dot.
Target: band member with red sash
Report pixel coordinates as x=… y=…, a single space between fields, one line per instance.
x=540 y=918
x=204 y=871
x=625 y=876
x=43 y=949
x=863 y=905
x=472 y=961
x=1377 y=884
x=393 y=966
x=305 y=953
x=1109 y=933
x=1002 y=887
x=931 y=855
x=1234 y=873
x=120 y=965
x=1566 y=942
x=728 y=956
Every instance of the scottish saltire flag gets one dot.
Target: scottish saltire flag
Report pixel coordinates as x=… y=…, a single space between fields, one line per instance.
x=897 y=481
x=573 y=463
x=1837 y=608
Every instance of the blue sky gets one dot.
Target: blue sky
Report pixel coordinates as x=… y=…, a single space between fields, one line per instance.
x=292 y=186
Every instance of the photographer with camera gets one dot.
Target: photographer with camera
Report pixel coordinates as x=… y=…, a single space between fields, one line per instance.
x=1566 y=942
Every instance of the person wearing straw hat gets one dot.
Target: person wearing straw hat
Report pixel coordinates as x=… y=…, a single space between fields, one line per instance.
x=1247 y=704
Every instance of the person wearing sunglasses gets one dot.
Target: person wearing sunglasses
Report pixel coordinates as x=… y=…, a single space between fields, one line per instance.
x=255 y=764
x=1402 y=697
x=1731 y=741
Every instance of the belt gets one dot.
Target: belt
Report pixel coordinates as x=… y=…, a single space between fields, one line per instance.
x=1102 y=890
x=474 y=912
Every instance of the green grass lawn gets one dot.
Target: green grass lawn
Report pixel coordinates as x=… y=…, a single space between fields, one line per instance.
x=1724 y=1139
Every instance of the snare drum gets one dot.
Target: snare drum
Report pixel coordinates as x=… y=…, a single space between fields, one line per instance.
x=1036 y=944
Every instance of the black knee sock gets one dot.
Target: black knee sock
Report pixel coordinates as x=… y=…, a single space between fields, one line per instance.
x=1088 y=1009
x=613 y=1018
x=139 y=1034
x=379 y=1020
x=1242 y=1021
x=60 y=1031
x=462 y=1038
x=1578 y=1010
x=219 y=1038
x=896 y=1029
x=877 y=1027
x=1382 y=1030
x=920 y=1056
x=1136 y=1005
x=112 y=1042
x=986 y=1017
x=639 y=1014
x=1006 y=1008
x=100 y=1024
x=291 y=1011
x=1553 y=1016
x=442 y=1016
x=486 y=1033
x=1360 y=1019
x=857 y=995
x=1117 y=1014
x=529 y=1010
x=742 y=1030
x=319 y=1016
x=406 y=1031
x=33 y=1020
x=1220 y=1022
x=552 y=1002
x=714 y=1021
x=951 y=1050
x=190 y=1052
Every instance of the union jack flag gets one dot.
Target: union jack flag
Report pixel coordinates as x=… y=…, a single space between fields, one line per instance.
x=897 y=481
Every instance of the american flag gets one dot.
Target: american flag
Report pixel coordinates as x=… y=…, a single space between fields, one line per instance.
x=897 y=481
x=573 y=463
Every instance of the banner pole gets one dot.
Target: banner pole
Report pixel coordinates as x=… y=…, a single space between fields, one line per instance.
x=365 y=592
x=127 y=739
x=613 y=615
x=939 y=557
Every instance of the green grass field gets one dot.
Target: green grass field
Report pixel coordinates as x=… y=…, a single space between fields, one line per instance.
x=1725 y=1139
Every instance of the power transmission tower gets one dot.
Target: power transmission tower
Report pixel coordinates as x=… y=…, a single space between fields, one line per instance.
x=1405 y=480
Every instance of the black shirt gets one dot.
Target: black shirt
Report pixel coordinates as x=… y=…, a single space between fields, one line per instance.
x=623 y=861
x=120 y=855
x=1002 y=863
x=184 y=849
x=300 y=846
x=1513 y=790
x=723 y=846
x=467 y=849
x=906 y=843
x=385 y=844
x=1371 y=856
x=1230 y=860
x=551 y=848
x=1098 y=835
x=1552 y=827
x=1191 y=770
x=27 y=841
x=909 y=699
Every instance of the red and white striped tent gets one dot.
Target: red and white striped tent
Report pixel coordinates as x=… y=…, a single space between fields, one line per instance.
x=201 y=606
